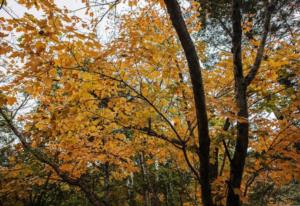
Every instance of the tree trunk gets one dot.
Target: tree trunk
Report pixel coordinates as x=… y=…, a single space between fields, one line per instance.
x=106 y=184
x=215 y=165
x=240 y=153
x=91 y=196
x=131 y=195
x=199 y=97
x=146 y=191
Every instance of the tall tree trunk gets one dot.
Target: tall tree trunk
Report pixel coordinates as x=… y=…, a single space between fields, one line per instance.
x=91 y=196
x=146 y=190
x=215 y=165
x=106 y=184
x=154 y=186
x=238 y=161
x=131 y=195
x=241 y=84
x=199 y=97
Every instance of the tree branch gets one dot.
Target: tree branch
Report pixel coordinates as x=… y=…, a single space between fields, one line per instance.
x=37 y=154
x=260 y=52
x=42 y=157
x=177 y=143
x=225 y=128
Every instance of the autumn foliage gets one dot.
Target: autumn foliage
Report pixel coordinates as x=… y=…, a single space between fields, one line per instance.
x=150 y=103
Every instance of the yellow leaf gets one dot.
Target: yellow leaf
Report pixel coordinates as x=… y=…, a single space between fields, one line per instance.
x=11 y=100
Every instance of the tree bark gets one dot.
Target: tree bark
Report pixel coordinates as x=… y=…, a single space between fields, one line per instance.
x=199 y=97
x=106 y=184
x=241 y=84
x=146 y=190
x=238 y=161
x=91 y=196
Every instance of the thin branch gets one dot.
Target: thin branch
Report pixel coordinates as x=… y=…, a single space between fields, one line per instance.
x=146 y=100
x=37 y=154
x=106 y=12
x=225 y=128
x=227 y=151
x=224 y=27
x=94 y=5
x=190 y=164
x=260 y=52
x=178 y=144
x=2 y=3
x=24 y=102
x=223 y=164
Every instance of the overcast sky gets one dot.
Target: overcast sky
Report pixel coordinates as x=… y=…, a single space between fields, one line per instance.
x=15 y=10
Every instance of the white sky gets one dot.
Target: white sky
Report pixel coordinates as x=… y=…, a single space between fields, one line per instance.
x=14 y=10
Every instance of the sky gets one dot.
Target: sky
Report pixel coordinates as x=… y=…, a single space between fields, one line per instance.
x=14 y=10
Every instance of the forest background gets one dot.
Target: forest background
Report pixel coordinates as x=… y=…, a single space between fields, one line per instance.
x=159 y=102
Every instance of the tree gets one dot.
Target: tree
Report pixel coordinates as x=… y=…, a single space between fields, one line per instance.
x=115 y=118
